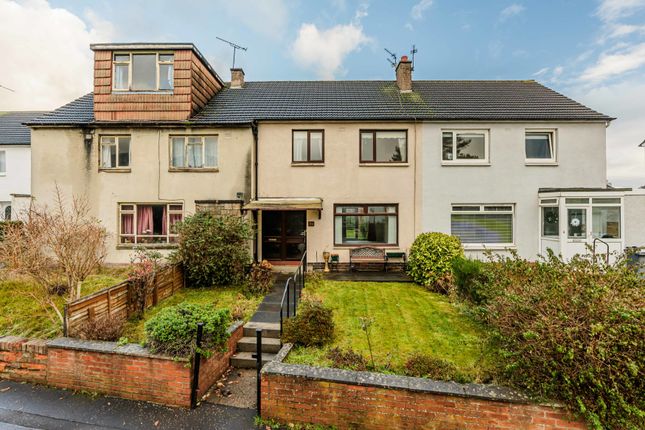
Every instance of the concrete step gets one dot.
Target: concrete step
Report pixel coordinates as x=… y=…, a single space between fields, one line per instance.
x=269 y=330
x=245 y=360
x=269 y=344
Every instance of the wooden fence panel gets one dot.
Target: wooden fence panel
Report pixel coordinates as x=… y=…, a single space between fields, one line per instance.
x=114 y=301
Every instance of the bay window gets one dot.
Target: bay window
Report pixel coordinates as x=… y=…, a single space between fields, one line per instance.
x=384 y=146
x=483 y=224
x=308 y=146
x=115 y=152
x=366 y=224
x=193 y=152
x=464 y=146
x=149 y=71
x=143 y=223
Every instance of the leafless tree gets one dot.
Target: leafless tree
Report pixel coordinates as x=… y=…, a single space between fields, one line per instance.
x=55 y=245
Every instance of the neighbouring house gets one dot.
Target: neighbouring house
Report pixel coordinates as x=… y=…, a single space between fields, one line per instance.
x=15 y=161
x=328 y=165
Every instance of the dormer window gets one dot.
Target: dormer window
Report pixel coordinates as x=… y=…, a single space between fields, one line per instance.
x=150 y=71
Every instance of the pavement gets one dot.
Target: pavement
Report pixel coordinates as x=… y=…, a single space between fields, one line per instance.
x=26 y=406
x=237 y=387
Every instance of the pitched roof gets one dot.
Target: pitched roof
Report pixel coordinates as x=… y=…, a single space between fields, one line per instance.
x=370 y=100
x=12 y=130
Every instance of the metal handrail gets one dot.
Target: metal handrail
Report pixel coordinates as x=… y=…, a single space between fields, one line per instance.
x=297 y=280
x=597 y=239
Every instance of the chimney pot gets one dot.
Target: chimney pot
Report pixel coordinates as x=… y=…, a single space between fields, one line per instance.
x=237 y=78
x=404 y=75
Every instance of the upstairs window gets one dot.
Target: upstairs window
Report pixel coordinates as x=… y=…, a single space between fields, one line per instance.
x=384 y=146
x=465 y=147
x=308 y=146
x=3 y=162
x=115 y=152
x=193 y=152
x=539 y=147
x=143 y=72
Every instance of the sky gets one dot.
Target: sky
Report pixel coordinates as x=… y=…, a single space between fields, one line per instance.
x=590 y=50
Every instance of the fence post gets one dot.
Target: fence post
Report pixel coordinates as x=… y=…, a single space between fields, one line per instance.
x=65 y=320
x=258 y=366
x=295 y=297
x=196 y=362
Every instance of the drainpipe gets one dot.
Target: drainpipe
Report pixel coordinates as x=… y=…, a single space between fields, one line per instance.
x=254 y=130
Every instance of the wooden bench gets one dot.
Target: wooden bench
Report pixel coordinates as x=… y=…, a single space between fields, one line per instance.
x=366 y=254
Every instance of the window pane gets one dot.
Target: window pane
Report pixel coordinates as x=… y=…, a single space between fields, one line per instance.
x=299 y=146
x=7 y=213
x=447 y=146
x=3 y=162
x=606 y=222
x=605 y=200
x=576 y=201
x=577 y=223
x=367 y=149
x=538 y=145
x=121 y=57
x=390 y=146
x=108 y=156
x=483 y=228
x=166 y=58
x=316 y=145
x=144 y=72
x=362 y=229
x=550 y=221
x=350 y=209
x=210 y=151
x=166 y=76
x=121 y=76
x=178 y=152
x=124 y=151
x=471 y=146
x=194 y=154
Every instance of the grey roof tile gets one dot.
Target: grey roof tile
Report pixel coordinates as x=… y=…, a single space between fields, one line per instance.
x=12 y=130
x=369 y=100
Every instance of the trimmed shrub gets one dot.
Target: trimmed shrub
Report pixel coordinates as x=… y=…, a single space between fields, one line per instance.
x=107 y=328
x=471 y=279
x=425 y=366
x=260 y=279
x=431 y=256
x=214 y=250
x=573 y=332
x=346 y=359
x=174 y=329
x=313 y=325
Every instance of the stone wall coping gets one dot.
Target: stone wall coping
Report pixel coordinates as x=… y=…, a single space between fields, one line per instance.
x=131 y=349
x=284 y=351
x=381 y=380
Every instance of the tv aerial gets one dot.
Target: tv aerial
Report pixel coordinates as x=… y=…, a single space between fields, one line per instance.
x=7 y=88
x=412 y=52
x=392 y=59
x=235 y=47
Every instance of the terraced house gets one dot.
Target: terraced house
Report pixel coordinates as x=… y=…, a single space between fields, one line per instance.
x=329 y=166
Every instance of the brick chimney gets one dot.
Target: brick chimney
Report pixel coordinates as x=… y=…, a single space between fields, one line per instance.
x=237 y=78
x=404 y=75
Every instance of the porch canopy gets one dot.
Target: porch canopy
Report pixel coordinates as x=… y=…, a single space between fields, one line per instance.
x=285 y=204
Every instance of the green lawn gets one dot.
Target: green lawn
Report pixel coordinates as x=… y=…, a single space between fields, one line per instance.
x=221 y=297
x=22 y=315
x=407 y=319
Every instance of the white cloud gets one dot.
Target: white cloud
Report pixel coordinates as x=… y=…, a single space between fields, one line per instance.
x=419 y=9
x=324 y=50
x=511 y=11
x=613 y=10
x=47 y=58
x=541 y=72
x=616 y=63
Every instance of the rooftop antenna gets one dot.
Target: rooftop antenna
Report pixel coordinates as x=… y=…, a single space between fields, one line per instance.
x=413 y=51
x=7 y=88
x=235 y=47
x=392 y=61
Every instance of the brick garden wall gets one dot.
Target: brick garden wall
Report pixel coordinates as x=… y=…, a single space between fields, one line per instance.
x=128 y=371
x=348 y=400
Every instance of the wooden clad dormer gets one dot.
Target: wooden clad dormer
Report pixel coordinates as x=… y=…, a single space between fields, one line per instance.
x=151 y=82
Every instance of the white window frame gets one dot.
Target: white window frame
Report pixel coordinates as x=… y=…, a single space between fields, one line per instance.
x=481 y=209
x=129 y=64
x=465 y=161
x=3 y=154
x=117 y=141
x=137 y=238
x=554 y=147
x=549 y=202
x=203 y=137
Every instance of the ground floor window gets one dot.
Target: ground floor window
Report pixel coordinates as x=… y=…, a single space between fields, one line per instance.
x=5 y=211
x=550 y=221
x=605 y=222
x=483 y=224
x=366 y=224
x=143 y=223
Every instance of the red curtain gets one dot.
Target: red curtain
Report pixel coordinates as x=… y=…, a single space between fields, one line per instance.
x=144 y=220
x=127 y=224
